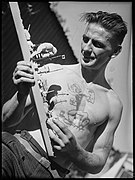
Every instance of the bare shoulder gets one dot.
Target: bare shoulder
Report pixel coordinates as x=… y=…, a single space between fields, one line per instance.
x=114 y=98
x=115 y=103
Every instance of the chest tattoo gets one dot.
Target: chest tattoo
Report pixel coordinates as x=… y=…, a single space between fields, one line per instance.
x=75 y=113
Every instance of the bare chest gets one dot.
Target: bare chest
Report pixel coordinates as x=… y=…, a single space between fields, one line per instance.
x=81 y=106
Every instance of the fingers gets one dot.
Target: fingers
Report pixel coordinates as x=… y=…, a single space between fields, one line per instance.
x=23 y=79
x=57 y=143
x=23 y=73
x=25 y=65
x=58 y=122
x=57 y=129
x=59 y=133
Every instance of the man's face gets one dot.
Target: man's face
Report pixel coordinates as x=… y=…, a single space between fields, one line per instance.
x=96 y=46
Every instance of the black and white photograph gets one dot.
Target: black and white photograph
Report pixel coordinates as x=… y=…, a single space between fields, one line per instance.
x=67 y=89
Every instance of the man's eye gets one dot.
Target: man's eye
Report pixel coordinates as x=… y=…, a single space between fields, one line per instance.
x=85 y=39
x=98 y=44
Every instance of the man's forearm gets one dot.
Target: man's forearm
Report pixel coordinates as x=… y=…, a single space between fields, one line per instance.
x=87 y=161
x=13 y=110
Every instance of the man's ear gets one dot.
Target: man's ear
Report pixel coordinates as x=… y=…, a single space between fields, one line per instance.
x=117 y=51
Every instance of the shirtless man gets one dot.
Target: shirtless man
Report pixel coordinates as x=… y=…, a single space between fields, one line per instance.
x=85 y=111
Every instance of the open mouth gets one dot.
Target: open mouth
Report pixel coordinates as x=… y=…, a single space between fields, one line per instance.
x=88 y=59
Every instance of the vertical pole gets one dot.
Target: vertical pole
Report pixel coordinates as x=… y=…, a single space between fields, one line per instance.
x=41 y=109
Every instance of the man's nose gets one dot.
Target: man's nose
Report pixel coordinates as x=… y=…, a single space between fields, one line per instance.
x=87 y=50
x=87 y=53
x=88 y=47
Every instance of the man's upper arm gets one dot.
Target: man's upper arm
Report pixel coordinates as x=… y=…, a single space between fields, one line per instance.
x=104 y=134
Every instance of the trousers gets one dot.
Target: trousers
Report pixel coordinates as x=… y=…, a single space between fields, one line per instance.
x=17 y=162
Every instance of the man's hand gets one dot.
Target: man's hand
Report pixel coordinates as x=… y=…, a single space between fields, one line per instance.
x=62 y=138
x=23 y=75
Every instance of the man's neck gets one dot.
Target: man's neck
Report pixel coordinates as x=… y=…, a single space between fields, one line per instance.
x=95 y=76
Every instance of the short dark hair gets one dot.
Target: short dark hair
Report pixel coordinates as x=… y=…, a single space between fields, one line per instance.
x=112 y=22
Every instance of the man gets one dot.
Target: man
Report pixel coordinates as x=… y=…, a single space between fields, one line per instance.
x=83 y=110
